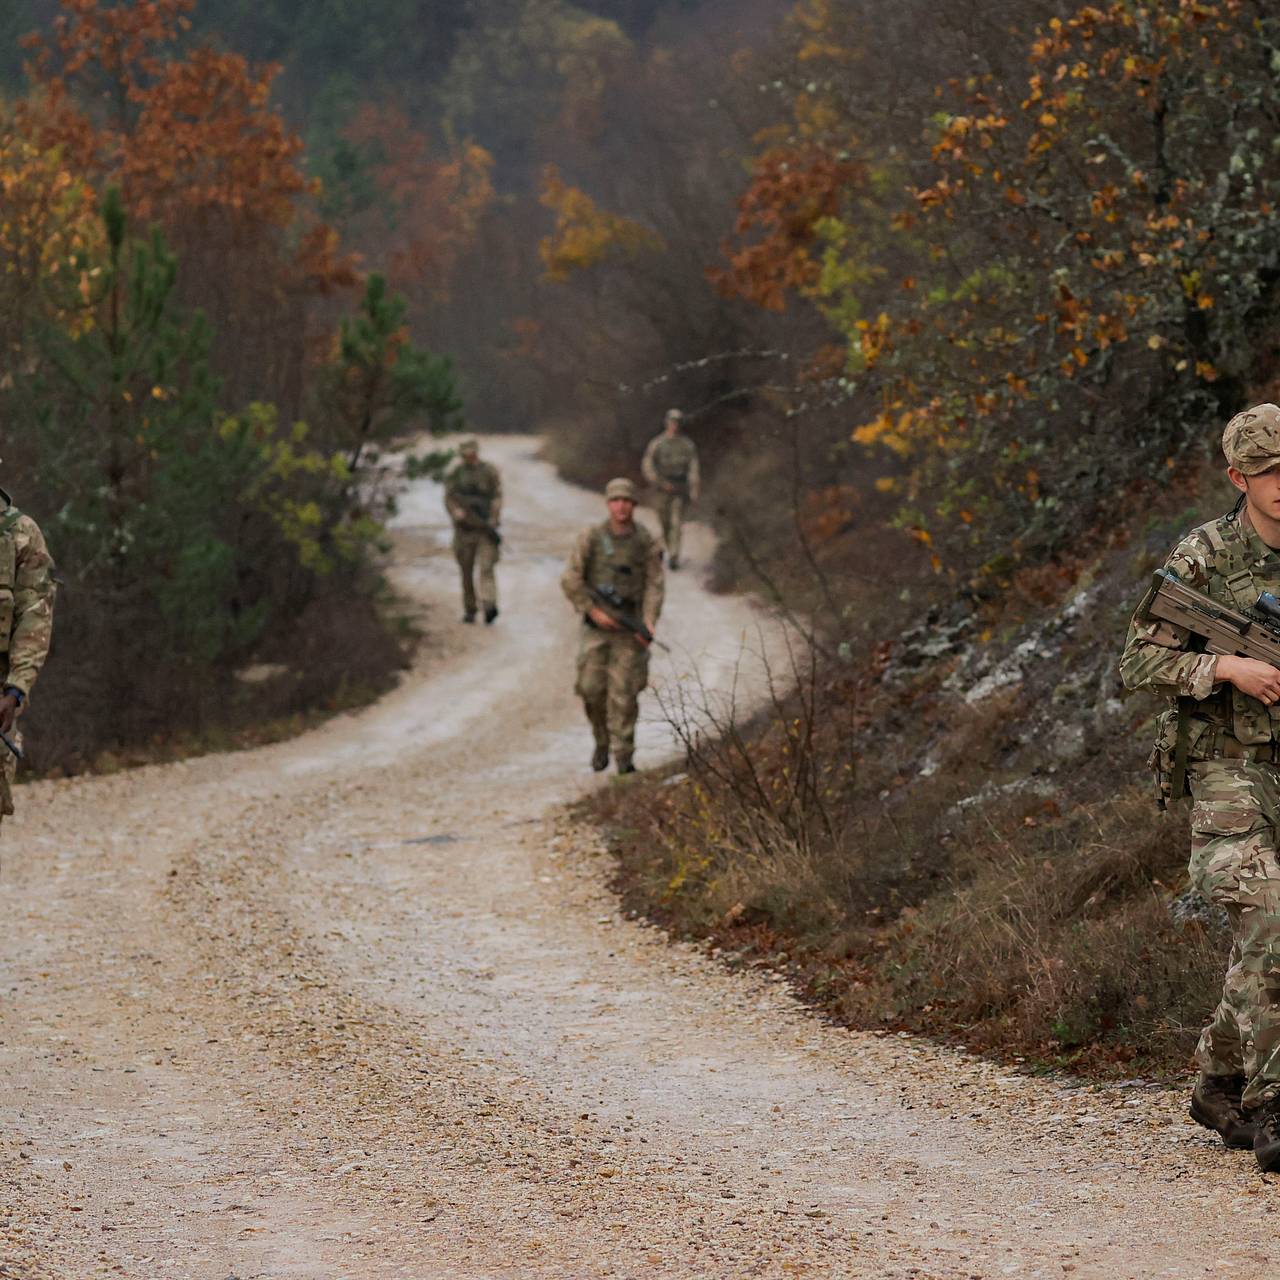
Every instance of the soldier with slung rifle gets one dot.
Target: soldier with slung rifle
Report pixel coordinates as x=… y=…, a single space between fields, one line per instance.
x=614 y=582
x=670 y=467
x=1221 y=732
x=473 y=499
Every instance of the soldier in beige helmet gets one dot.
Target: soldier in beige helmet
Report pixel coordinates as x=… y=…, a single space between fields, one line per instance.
x=473 y=498
x=614 y=572
x=670 y=467
x=1223 y=719
x=26 y=627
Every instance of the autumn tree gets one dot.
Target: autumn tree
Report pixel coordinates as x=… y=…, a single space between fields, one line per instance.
x=410 y=206
x=48 y=228
x=193 y=142
x=1061 y=291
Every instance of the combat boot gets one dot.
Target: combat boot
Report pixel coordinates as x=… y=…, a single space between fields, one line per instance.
x=490 y=613
x=1266 y=1139
x=600 y=758
x=625 y=766
x=469 y=616
x=1215 y=1103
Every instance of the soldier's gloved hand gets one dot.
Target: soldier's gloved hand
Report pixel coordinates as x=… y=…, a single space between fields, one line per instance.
x=602 y=619
x=1256 y=679
x=8 y=712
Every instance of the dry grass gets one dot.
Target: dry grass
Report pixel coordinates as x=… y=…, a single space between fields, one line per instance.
x=988 y=898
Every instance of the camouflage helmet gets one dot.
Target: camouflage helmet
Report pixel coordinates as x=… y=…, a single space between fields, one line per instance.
x=1251 y=441
x=673 y=415
x=469 y=445
x=620 y=487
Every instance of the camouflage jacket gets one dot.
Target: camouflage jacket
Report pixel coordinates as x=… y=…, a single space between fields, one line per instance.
x=671 y=460
x=473 y=493
x=1226 y=559
x=26 y=598
x=631 y=563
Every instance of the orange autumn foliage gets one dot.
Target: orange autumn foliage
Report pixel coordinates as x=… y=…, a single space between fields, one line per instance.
x=430 y=208
x=791 y=191
x=181 y=135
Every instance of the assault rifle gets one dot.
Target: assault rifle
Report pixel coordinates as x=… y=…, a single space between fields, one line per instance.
x=616 y=607
x=1251 y=634
x=474 y=520
x=13 y=746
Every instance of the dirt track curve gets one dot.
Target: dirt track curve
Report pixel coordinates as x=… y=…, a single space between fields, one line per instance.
x=358 y=1006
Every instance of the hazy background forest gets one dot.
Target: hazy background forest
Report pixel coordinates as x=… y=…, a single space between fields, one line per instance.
x=956 y=297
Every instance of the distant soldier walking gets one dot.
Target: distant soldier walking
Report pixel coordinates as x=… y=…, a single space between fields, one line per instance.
x=614 y=572
x=26 y=627
x=473 y=499
x=670 y=466
x=1220 y=737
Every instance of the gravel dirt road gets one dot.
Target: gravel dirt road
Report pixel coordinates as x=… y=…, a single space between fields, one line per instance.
x=359 y=1005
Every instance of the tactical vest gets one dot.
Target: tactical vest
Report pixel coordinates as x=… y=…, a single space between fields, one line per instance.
x=1235 y=580
x=672 y=458
x=620 y=563
x=475 y=488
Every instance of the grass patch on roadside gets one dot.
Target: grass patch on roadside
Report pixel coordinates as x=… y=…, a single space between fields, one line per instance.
x=989 y=871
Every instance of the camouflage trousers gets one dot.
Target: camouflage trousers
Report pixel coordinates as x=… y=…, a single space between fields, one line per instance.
x=670 y=508
x=474 y=552
x=613 y=667
x=1234 y=863
x=8 y=772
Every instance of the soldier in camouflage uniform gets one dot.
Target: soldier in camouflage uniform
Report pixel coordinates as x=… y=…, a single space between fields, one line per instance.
x=613 y=663
x=26 y=626
x=1224 y=709
x=670 y=466
x=473 y=498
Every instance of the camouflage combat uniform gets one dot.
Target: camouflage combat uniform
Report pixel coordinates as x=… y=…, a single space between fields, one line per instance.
x=1233 y=753
x=473 y=496
x=26 y=618
x=613 y=666
x=671 y=461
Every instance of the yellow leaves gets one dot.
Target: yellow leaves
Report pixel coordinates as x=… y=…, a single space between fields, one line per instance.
x=1155 y=342
x=1104 y=200
x=886 y=484
x=887 y=430
x=586 y=235
x=921 y=535
x=1205 y=371
x=1205 y=301
x=873 y=338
